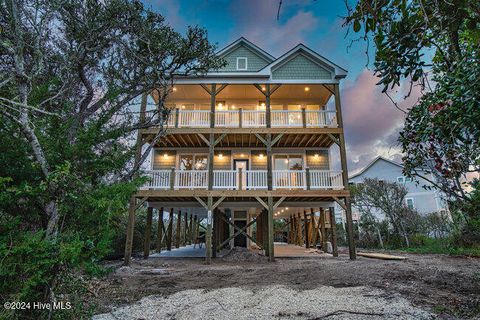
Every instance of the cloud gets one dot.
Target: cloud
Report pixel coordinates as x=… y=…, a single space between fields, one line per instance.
x=260 y=25
x=372 y=122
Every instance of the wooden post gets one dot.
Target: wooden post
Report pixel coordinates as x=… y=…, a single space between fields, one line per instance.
x=306 y=229
x=271 y=256
x=315 y=228
x=322 y=229
x=130 y=228
x=210 y=161
x=240 y=179
x=269 y=162
x=333 y=225
x=299 y=229
x=148 y=233
x=215 y=233
x=185 y=229
x=172 y=178
x=195 y=227
x=213 y=94
x=170 y=231
x=259 y=227
x=343 y=159
x=307 y=178
x=177 y=116
x=160 y=230
x=304 y=118
x=240 y=117
x=191 y=231
x=268 y=114
x=178 y=230
x=208 y=235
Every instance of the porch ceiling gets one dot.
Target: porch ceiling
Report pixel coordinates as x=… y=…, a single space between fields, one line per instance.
x=248 y=140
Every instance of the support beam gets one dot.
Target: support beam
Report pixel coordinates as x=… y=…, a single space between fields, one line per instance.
x=334 y=232
x=185 y=229
x=191 y=235
x=148 y=233
x=130 y=228
x=213 y=93
x=178 y=230
x=208 y=234
x=322 y=229
x=262 y=202
x=306 y=230
x=271 y=256
x=343 y=159
x=160 y=230
x=170 y=231
x=279 y=202
x=211 y=151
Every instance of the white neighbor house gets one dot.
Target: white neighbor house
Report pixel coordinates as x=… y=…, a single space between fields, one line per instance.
x=423 y=200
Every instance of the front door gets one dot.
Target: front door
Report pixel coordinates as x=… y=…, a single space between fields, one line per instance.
x=241 y=239
x=243 y=164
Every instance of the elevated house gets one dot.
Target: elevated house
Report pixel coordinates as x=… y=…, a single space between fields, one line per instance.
x=248 y=144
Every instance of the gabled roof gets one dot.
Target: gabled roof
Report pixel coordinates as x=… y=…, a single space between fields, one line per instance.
x=372 y=163
x=314 y=56
x=255 y=48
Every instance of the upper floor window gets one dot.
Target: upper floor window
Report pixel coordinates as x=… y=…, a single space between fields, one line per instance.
x=410 y=203
x=242 y=63
x=404 y=179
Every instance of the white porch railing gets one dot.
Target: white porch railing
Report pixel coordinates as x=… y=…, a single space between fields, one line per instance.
x=251 y=179
x=253 y=118
x=286 y=118
x=321 y=118
x=227 y=118
x=225 y=179
x=191 y=179
x=326 y=179
x=256 y=179
x=193 y=118
x=289 y=179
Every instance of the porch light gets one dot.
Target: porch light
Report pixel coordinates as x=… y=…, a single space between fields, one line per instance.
x=263 y=88
x=233 y=106
x=183 y=107
x=286 y=160
x=174 y=89
x=220 y=155
x=286 y=208
x=316 y=155
x=242 y=155
x=307 y=89
x=165 y=155
x=260 y=155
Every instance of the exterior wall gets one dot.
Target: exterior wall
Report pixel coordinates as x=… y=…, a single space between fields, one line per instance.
x=224 y=162
x=321 y=162
x=160 y=162
x=257 y=162
x=255 y=62
x=299 y=68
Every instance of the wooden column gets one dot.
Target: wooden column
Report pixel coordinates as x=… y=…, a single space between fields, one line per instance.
x=343 y=159
x=148 y=233
x=271 y=256
x=299 y=229
x=306 y=230
x=170 y=231
x=195 y=233
x=259 y=231
x=314 y=227
x=334 y=232
x=178 y=230
x=322 y=229
x=268 y=111
x=191 y=235
x=213 y=92
x=269 y=162
x=160 y=230
x=208 y=235
x=185 y=229
x=210 y=161
x=215 y=233
x=130 y=228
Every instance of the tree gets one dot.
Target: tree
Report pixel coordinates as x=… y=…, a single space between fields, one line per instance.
x=419 y=41
x=71 y=77
x=389 y=199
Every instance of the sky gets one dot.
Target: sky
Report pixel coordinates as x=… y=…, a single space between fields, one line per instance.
x=371 y=120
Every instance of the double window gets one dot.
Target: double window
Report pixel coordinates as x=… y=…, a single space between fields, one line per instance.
x=288 y=162
x=193 y=162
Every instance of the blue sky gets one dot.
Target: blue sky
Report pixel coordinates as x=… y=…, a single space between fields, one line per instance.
x=372 y=122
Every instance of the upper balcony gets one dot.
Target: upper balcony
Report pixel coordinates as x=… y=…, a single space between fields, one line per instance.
x=250 y=106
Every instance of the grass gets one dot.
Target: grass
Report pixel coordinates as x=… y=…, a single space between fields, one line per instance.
x=442 y=246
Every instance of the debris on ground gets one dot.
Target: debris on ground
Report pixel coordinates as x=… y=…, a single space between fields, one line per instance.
x=381 y=256
x=243 y=254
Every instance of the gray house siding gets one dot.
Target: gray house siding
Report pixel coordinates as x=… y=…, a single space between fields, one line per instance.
x=254 y=61
x=301 y=67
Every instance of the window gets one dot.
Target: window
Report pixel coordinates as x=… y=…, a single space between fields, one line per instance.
x=242 y=63
x=404 y=179
x=408 y=179
x=193 y=162
x=410 y=203
x=288 y=162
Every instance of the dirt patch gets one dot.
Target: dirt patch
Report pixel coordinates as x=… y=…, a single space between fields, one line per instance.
x=445 y=285
x=239 y=254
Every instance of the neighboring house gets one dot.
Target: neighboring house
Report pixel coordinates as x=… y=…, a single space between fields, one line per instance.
x=250 y=143
x=423 y=200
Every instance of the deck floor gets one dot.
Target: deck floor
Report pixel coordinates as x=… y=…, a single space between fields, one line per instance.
x=285 y=250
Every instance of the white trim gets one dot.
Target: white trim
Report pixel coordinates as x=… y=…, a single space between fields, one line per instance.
x=246 y=63
x=255 y=48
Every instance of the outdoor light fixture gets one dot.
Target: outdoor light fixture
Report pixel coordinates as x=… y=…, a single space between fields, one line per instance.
x=307 y=89
x=261 y=155
x=183 y=107
x=220 y=155
x=316 y=155
x=165 y=155
x=263 y=88
x=286 y=208
x=233 y=106
x=242 y=155
x=174 y=89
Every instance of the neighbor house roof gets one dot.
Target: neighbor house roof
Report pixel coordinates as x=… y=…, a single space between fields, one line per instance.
x=372 y=163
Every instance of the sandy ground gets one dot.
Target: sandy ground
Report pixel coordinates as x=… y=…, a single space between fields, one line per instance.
x=421 y=287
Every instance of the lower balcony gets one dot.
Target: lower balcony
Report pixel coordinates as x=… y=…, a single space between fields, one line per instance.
x=244 y=179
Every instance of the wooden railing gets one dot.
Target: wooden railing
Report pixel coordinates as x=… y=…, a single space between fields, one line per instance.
x=241 y=180
x=252 y=119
